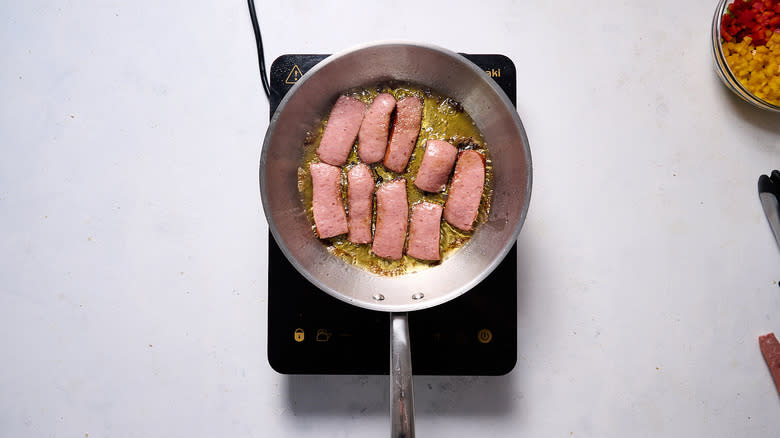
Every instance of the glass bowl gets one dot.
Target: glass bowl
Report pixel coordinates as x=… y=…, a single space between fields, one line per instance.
x=722 y=67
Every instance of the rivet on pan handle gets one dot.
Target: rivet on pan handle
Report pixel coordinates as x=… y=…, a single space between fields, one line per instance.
x=401 y=390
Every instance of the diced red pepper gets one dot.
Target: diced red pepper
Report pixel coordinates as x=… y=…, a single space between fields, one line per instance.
x=754 y=18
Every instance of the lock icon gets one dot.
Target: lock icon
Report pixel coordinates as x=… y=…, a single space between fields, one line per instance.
x=298 y=335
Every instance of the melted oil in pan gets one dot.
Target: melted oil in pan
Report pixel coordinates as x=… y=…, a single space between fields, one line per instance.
x=443 y=119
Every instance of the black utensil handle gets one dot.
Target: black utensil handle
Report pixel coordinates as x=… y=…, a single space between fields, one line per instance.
x=770 y=184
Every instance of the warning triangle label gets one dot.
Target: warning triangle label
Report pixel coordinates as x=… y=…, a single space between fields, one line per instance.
x=294 y=75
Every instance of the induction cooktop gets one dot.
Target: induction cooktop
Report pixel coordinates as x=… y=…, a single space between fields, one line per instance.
x=310 y=332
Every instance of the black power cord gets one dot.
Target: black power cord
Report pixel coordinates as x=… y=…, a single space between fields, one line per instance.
x=259 y=44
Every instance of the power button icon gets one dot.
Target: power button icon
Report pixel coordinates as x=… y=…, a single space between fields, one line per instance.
x=484 y=336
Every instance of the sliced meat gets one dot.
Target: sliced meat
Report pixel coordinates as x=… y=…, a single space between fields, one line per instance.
x=465 y=194
x=436 y=166
x=770 y=348
x=360 y=201
x=424 y=229
x=327 y=206
x=392 y=216
x=341 y=130
x=408 y=117
x=372 y=137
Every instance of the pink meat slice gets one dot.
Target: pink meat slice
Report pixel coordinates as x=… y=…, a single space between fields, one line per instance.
x=327 y=206
x=436 y=166
x=341 y=130
x=372 y=137
x=360 y=200
x=408 y=117
x=424 y=229
x=392 y=215
x=465 y=193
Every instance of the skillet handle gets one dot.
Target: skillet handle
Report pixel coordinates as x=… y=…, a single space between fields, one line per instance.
x=401 y=391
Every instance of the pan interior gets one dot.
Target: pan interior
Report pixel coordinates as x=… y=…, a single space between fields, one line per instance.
x=311 y=99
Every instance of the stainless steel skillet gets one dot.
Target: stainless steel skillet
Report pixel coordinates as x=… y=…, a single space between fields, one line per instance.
x=307 y=102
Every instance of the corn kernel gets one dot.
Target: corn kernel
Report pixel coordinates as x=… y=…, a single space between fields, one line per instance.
x=757 y=68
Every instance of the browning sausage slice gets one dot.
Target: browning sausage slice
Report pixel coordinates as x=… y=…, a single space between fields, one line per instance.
x=372 y=137
x=408 y=117
x=465 y=194
x=341 y=130
x=327 y=206
x=360 y=200
x=770 y=348
x=424 y=229
x=436 y=166
x=392 y=215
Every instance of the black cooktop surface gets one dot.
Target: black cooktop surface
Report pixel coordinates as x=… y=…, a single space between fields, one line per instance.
x=310 y=332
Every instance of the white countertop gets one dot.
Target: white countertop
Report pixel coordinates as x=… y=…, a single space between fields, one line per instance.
x=133 y=256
